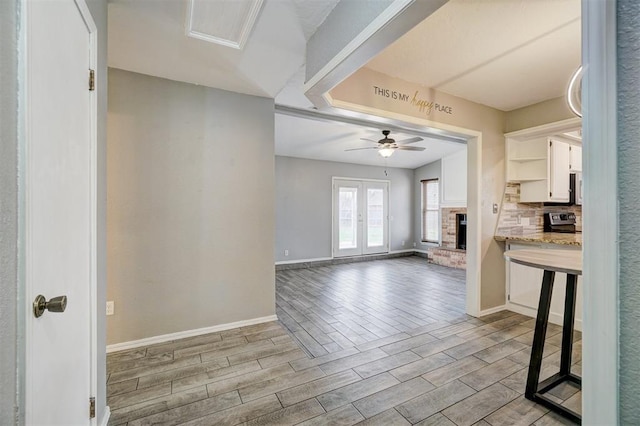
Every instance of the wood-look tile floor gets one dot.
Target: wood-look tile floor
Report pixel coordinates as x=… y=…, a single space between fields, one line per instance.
x=390 y=345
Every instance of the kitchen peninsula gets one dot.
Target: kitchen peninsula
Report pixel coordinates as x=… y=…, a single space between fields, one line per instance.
x=521 y=226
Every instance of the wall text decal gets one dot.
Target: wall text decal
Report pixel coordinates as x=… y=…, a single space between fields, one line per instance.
x=425 y=106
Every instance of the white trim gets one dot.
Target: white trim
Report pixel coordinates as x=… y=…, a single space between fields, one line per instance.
x=105 y=417
x=249 y=23
x=546 y=129
x=289 y=262
x=187 y=333
x=380 y=21
x=93 y=286
x=399 y=251
x=554 y=318
x=492 y=310
x=600 y=391
x=324 y=259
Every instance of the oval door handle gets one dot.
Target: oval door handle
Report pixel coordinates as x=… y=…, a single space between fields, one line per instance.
x=56 y=304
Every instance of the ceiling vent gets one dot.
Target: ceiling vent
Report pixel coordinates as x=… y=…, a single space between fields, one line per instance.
x=225 y=22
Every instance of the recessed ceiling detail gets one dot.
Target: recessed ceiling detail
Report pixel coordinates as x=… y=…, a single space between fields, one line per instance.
x=224 y=22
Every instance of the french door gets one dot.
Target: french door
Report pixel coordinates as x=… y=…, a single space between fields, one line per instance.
x=360 y=217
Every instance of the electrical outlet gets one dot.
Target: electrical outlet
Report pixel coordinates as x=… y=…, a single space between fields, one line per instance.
x=110 y=307
x=414 y=244
x=286 y=252
x=495 y=209
x=402 y=243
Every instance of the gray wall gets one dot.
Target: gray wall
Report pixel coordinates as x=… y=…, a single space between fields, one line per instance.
x=98 y=9
x=190 y=207
x=8 y=210
x=629 y=203
x=303 y=205
x=428 y=171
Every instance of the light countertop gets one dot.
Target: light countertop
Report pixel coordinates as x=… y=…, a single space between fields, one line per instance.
x=543 y=237
x=566 y=261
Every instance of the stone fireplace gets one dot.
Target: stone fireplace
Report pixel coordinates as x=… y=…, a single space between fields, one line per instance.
x=452 y=250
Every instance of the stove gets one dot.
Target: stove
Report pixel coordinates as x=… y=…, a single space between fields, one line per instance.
x=560 y=222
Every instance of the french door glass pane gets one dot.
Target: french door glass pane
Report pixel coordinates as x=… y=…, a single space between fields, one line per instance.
x=375 y=217
x=348 y=218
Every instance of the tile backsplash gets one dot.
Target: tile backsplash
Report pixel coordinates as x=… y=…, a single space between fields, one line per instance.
x=518 y=218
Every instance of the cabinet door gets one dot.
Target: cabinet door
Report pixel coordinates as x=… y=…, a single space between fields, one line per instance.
x=558 y=171
x=575 y=158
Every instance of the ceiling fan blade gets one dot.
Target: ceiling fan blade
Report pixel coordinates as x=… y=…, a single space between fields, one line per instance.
x=410 y=140
x=368 y=140
x=358 y=149
x=411 y=148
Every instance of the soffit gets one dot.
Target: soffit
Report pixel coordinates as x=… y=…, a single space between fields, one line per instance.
x=502 y=53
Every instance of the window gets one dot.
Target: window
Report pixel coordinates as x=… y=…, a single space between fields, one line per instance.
x=430 y=210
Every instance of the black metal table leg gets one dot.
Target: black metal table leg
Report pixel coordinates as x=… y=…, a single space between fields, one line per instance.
x=567 y=328
x=540 y=334
x=534 y=390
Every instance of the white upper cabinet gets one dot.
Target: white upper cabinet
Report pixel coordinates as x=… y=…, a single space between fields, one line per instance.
x=541 y=166
x=558 y=171
x=575 y=158
x=454 y=180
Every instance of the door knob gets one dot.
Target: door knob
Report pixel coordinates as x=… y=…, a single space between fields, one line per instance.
x=56 y=304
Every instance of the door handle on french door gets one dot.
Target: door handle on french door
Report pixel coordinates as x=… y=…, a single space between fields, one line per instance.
x=56 y=304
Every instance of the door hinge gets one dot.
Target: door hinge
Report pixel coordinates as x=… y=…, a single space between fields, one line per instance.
x=508 y=297
x=550 y=194
x=550 y=143
x=92 y=407
x=92 y=80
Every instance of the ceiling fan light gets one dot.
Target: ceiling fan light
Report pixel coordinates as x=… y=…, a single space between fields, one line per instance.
x=385 y=152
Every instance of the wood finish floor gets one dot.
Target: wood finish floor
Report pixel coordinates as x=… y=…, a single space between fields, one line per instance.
x=391 y=345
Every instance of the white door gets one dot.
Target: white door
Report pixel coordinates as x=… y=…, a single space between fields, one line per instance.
x=60 y=208
x=361 y=217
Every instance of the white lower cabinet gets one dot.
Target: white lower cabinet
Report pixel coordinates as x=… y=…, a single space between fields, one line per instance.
x=524 y=284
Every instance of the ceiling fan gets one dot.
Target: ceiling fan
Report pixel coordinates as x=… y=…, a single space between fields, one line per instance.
x=387 y=146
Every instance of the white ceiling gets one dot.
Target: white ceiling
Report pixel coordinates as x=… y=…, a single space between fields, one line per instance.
x=503 y=53
x=327 y=140
x=149 y=37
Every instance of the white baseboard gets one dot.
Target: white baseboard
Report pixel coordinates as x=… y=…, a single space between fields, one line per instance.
x=324 y=259
x=188 y=333
x=288 y=262
x=492 y=310
x=530 y=312
x=105 y=417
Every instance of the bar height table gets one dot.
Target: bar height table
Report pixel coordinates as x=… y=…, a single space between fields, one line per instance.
x=552 y=261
